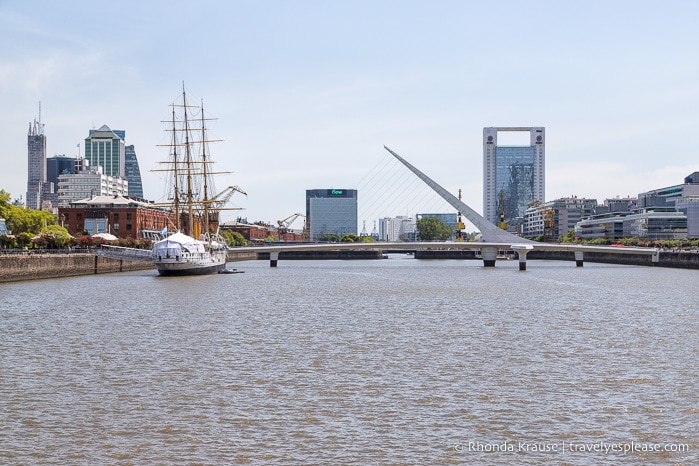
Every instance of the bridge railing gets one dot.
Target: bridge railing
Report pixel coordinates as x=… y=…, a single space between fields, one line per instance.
x=120 y=252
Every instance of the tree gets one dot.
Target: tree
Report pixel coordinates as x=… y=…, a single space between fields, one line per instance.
x=330 y=238
x=233 y=238
x=21 y=220
x=568 y=237
x=56 y=235
x=23 y=239
x=432 y=229
x=4 y=201
x=349 y=238
x=8 y=241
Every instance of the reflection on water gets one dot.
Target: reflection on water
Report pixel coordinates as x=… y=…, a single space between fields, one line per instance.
x=398 y=361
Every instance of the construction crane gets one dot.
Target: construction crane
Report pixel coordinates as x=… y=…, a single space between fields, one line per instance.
x=502 y=223
x=218 y=201
x=283 y=225
x=459 y=227
x=213 y=206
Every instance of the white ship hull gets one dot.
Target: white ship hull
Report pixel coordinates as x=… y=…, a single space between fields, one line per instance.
x=183 y=255
x=203 y=266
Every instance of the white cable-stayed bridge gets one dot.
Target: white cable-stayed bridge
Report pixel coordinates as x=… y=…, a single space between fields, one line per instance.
x=494 y=239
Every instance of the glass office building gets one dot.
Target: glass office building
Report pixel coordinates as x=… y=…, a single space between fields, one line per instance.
x=331 y=211
x=513 y=176
x=58 y=165
x=105 y=148
x=133 y=173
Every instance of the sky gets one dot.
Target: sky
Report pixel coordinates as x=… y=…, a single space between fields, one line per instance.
x=307 y=92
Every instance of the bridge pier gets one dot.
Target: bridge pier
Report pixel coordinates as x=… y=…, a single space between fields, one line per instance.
x=522 y=255
x=522 y=250
x=578 y=258
x=273 y=258
x=489 y=256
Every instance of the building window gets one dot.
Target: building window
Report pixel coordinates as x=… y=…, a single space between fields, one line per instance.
x=128 y=226
x=128 y=216
x=80 y=216
x=116 y=217
x=66 y=217
x=116 y=227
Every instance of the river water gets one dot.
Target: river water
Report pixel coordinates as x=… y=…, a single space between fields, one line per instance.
x=397 y=361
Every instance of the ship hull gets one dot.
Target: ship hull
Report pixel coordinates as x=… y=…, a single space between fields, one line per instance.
x=180 y=254
x=184 y=269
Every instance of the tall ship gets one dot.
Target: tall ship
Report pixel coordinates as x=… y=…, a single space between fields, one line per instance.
x=194 y=247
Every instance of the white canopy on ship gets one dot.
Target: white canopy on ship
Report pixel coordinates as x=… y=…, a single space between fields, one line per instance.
x=174 y=244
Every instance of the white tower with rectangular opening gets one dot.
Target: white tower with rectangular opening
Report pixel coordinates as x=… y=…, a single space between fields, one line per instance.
x=513 y=176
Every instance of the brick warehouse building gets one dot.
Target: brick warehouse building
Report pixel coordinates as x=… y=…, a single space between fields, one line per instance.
x=123 y=217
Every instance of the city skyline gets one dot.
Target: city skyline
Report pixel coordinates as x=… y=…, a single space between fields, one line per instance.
x=307 y=94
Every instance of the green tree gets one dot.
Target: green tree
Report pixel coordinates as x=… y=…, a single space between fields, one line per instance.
x=8 y=241
x=367 y=239
x=330 y=238
x=239 y=239
x=349 y=238
x=4 y=200
x=432 y=229
x=632 y=241
x=21 y=220
x=56 y=236
x=568 y=237
x=233 y=238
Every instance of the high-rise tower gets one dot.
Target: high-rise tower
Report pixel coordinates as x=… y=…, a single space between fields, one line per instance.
x=36 y=175
x=133 y=173
x=512 y=175
x=106 y=148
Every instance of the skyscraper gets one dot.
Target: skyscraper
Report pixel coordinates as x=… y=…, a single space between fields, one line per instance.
x=57 y=165
x=36 y=176
x=106 y=148
x=512 y=175
x=331 y=211
x=133 y=173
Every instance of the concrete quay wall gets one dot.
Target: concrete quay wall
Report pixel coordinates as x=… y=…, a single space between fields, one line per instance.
x=17 y=267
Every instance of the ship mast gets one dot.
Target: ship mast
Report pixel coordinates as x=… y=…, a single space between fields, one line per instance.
x=206 y=176
x=174 y=161
x=188 y=162
x=185 y=167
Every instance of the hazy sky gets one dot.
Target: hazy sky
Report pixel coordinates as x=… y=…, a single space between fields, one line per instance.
x=307 y=92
